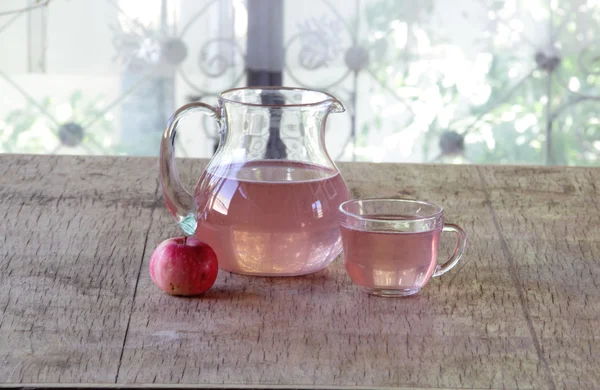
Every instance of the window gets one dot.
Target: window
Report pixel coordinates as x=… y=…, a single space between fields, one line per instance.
x=492 y=81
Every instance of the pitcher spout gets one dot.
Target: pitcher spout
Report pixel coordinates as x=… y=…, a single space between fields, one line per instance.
x=335 y=106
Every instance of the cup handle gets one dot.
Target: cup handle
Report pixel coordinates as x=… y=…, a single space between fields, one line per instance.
x=461 y=243
x=179 y=201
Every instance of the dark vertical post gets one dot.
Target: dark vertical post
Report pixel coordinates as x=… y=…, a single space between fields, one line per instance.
x=264 y=63
x=265 y=43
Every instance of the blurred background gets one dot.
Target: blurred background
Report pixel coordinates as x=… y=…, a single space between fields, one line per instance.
x=462 y=81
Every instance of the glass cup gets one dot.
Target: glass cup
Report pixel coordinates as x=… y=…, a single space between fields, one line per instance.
x=391 y=245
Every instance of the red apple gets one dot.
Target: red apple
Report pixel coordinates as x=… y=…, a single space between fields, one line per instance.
x=183 y=266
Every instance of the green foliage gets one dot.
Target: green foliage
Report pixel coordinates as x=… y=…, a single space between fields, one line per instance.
x=510 y=126
x=379 y=15
x=29 y=130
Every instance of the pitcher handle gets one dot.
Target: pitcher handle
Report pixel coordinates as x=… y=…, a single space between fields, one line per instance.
x=461 y=243
x=179 y=201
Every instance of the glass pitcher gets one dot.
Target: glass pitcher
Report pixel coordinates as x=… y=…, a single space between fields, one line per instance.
x=267 y=201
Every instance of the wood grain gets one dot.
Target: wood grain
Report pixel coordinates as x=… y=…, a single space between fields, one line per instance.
x=465 y=330
x=71 y=241
x=77 y=305
x=549 y=219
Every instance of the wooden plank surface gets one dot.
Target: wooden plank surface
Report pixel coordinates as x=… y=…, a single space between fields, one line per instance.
x=77 y=304
x=549 y=221
x=465 y=330
x=72 y=237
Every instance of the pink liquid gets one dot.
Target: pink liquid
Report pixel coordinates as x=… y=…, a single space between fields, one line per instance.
x=271 y=217
x=384 y=260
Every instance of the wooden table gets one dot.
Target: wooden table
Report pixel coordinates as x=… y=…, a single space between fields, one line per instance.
x=77 y=305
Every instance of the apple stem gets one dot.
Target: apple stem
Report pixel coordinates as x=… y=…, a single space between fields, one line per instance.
x=185 y=240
